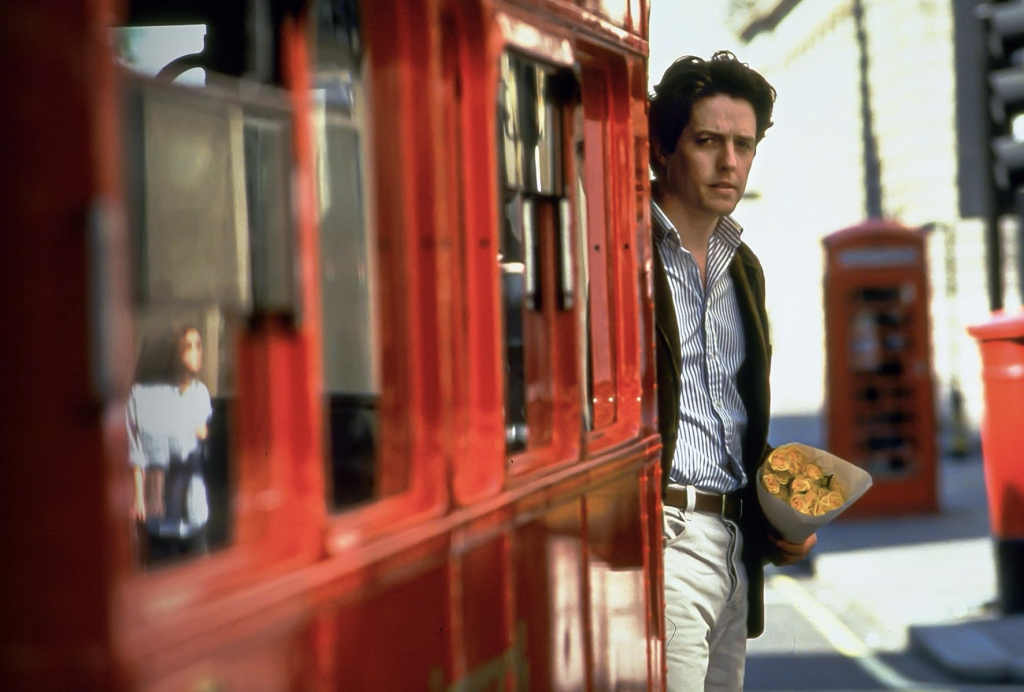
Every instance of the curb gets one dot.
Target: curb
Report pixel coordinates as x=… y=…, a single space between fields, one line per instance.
x=980 y=651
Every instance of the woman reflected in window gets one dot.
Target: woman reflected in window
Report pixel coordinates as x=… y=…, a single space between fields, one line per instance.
x=168 y=413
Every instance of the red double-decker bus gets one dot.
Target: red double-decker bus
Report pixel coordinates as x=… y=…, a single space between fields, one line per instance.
x=332 y=356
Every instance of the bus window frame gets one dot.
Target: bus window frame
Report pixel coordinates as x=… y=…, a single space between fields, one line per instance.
x=552 y=48
x=616 y=172
x=276 y=521
x=411 y=440
x=152 y=595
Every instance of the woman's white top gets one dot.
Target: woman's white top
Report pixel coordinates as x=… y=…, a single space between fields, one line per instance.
x=162 y=422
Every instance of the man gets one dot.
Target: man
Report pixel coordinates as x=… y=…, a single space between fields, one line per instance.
x=706 y=118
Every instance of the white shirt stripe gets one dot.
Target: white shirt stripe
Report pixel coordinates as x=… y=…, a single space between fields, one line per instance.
x=712 y=417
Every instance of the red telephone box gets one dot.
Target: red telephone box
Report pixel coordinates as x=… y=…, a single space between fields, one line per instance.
x=879 y=392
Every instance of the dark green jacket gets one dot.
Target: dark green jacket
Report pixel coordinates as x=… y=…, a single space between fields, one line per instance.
x=752 y=381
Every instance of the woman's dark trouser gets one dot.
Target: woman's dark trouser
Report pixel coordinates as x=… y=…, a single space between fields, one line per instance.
x=161 y=549
x=164 y=549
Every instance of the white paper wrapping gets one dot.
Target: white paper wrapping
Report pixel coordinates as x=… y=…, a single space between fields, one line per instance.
x=795 y=527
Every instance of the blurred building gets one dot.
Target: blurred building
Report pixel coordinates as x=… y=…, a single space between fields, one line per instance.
x=866 y=126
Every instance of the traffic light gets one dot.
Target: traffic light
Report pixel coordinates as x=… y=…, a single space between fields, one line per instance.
x=1003 y=25
x=989 y=40
x=1004 y=30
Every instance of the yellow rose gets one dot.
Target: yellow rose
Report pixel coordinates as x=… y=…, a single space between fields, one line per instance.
x=801 y=503
x=818 y=508
x=786 y=460
x=800 y=484
x=778 y=462
x=833 y=500
x=775 y=484
x=813 y=472
x=788 y=452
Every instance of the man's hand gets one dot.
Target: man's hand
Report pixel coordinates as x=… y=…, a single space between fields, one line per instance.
x=786 y=553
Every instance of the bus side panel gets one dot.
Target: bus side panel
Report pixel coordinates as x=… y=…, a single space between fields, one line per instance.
x=263 y=663
x=618 y=584
x=485 y=649
x=397 y=638
x=549 y=588
x=653 y=569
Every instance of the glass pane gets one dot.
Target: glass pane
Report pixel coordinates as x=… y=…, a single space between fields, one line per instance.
x=533 y=207
x=208 y=194
x=188 y=223
x=348 y=269
x=267 y=142
x=512 y=254
x=149 y=49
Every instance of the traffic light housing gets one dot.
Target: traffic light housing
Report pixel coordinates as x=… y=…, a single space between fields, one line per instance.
x=1004 y=31
x=989 y=41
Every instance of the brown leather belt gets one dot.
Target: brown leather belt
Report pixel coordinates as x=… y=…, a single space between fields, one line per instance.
x=729 y=506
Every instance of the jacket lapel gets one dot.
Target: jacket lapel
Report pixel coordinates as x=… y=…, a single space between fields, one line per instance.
x=741 y=269
x=752 y=380
x=665 y=314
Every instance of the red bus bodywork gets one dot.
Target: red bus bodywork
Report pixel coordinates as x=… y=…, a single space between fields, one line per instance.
x=476 y=569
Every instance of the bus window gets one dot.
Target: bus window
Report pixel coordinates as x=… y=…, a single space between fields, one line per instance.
x=348 y=267
x=208 y=194
x=535 y=209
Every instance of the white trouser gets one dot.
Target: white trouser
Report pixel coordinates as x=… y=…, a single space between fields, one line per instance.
x=705 y=602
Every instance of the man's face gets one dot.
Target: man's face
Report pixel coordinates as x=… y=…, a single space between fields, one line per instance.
x=708 y=170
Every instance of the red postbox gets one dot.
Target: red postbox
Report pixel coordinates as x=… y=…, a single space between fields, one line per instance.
x=1001 y=341
x=879 y=391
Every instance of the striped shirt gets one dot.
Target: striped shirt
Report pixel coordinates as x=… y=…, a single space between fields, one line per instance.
x=712 y=417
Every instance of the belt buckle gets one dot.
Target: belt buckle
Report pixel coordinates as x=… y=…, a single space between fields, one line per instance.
x=739 y=506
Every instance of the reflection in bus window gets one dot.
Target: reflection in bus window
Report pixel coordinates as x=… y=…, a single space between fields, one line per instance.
x=150 y=50
x=267 y=143
x=348 y=267
x=533 y=202
x=207 y=193
x=168 y=416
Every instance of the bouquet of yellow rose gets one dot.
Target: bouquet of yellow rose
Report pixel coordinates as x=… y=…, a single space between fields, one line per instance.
x=802 y=488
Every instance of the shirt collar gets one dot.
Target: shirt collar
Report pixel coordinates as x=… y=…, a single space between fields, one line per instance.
x=726 y=230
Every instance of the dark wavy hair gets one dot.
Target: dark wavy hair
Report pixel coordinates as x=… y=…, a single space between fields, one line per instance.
x=160 y=360
x=690 y=79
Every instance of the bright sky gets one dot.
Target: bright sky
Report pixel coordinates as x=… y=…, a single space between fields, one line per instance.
x=686 y=27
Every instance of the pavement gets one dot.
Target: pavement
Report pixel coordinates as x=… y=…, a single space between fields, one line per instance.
x=921 y=586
